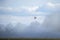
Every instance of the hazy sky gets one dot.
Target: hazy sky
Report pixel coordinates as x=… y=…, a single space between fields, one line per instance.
x=23 y=11
x=27 y=8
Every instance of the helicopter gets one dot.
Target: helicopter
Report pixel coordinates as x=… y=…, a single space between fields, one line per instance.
x=35 y=17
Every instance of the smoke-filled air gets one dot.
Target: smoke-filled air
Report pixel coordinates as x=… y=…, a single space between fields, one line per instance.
x=29 y=18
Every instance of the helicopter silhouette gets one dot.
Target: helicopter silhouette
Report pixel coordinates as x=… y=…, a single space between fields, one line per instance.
x=35 y=17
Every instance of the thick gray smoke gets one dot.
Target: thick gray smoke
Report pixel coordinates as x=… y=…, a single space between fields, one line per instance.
x=49 y=28
x=52 y=22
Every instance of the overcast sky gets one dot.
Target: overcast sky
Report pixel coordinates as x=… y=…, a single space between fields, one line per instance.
x=27 y=8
